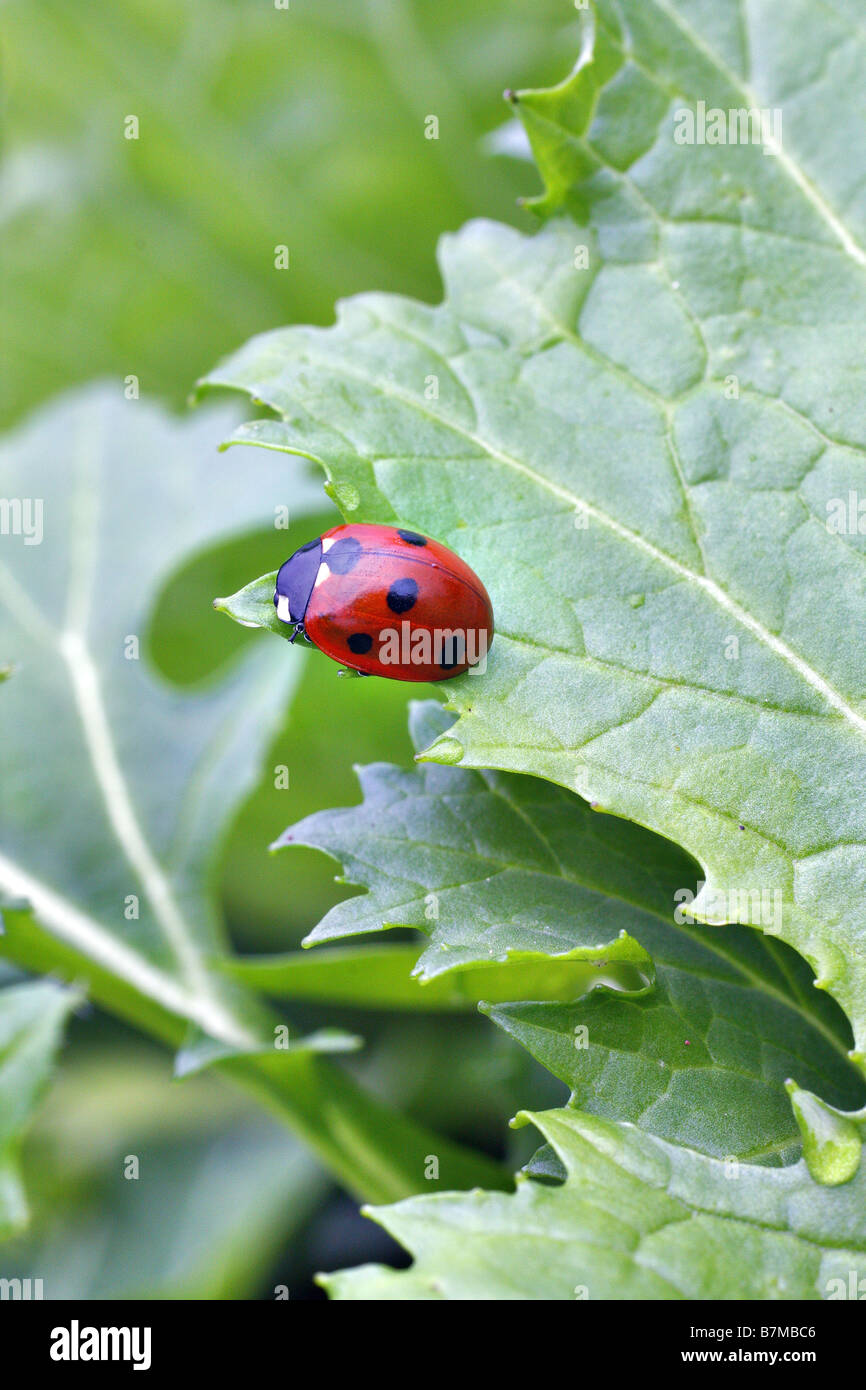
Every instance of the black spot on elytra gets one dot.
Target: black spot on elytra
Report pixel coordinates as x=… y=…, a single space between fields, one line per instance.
x=450 y=654
x=412 y=537
x=402 y=595
x=360 y=643
x=343 y=555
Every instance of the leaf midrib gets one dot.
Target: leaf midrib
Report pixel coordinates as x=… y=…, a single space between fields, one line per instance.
x=812 y=194
x=196 y=997
x=107 y=951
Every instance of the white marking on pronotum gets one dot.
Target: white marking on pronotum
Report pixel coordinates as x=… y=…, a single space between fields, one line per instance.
x=283 y=612
x=323 y=570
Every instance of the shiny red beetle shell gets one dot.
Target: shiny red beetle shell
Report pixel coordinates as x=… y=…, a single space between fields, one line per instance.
x=387 y=602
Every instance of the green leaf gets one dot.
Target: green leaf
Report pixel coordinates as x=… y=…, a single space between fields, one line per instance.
x=641 y=459
x=489 y=867
x=118 y=787
x=32 y=1021
x=831 y=1140
x=368 y=1145
x=636 y=1218
x=219 y=1192
x=519 y=866
x=152 y=250
x=704 y=1058
x=227 y=1203
x=253 y=606
x=381 y=977
x=153 y=773
x=200 y=1051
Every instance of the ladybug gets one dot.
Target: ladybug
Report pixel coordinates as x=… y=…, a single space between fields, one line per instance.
x=386 y=602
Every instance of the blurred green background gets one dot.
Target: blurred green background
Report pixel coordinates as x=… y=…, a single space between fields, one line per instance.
x=257 y=127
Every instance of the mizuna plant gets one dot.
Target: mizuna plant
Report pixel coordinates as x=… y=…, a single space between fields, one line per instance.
x=637 y=840
x=641 y=423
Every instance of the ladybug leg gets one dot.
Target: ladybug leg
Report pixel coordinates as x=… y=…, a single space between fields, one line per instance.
x=298 y=632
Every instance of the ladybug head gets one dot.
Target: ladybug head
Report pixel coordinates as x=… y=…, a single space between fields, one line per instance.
x=295 y=582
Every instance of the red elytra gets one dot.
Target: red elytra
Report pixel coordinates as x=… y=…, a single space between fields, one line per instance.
x=385 y=601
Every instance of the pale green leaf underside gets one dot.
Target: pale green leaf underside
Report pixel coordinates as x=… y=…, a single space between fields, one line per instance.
x=636 y=1219
x=676 y=624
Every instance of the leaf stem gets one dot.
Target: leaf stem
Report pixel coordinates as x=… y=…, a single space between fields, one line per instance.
x=374 y=1151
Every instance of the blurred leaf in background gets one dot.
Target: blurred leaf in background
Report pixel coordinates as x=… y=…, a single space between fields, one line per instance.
x=32 y=1019
x=152 y=257
x=153 y=774
x=118 y=787
x=156 y=155
x=149 y=1190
